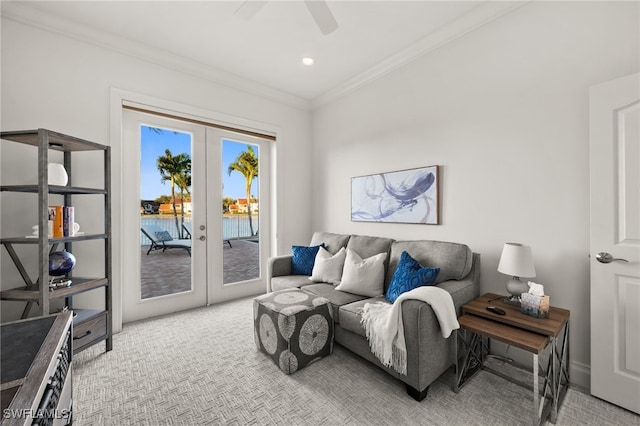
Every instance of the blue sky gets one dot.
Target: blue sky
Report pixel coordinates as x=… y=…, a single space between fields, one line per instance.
x=153 y=145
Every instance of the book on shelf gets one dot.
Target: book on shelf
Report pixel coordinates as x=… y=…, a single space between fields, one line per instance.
x=63 y=219
x=56 y=214
x=67 y=221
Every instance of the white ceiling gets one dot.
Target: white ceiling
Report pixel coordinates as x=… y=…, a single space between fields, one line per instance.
x=268 y=48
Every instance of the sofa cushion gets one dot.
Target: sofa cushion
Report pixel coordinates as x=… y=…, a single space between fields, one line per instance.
x=336 y=297
x=363 y=276
x=367 y=246
x=409 y=274
x=349 y=315
x=303 y=259
x=453 y=259
x=328 y=268
x=332 y=242
x=288 y=281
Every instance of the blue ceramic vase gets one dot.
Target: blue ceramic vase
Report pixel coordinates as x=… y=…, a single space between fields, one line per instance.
x=61 y=263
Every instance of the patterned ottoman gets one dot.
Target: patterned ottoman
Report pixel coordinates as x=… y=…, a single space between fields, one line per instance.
x=293 y=328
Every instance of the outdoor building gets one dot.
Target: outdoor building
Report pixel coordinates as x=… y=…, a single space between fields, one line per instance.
x=241 y=206
x=167 y=208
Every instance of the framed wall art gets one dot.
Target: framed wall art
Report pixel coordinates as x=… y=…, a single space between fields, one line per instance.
x=406 y=196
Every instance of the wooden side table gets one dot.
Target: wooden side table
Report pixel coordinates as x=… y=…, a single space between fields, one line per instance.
x=535 y=335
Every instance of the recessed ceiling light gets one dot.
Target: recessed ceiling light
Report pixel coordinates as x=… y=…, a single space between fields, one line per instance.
x=308 y=61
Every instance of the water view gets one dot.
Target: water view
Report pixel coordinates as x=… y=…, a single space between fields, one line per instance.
x=233 y=227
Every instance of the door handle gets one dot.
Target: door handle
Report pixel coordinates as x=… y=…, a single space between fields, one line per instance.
x=604 y=257
x=202 y=238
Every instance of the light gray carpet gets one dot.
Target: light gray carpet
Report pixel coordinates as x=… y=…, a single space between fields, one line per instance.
x=202 y=367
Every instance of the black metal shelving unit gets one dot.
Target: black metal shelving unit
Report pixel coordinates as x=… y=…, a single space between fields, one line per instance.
x=90 y=326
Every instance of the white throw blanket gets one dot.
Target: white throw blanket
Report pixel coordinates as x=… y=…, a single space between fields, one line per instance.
x=385 y=331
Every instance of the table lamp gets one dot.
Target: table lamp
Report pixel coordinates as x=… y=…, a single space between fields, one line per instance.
x=517 y=261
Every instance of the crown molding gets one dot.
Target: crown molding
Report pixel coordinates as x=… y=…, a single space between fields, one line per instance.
x=477 y=17
x=481 y=15
x=22 y=13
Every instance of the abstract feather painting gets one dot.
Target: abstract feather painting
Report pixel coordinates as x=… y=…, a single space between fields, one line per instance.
x=406 y=196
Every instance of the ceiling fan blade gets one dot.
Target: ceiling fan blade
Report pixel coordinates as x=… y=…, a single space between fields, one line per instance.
x=250 y=8
x=322 y=15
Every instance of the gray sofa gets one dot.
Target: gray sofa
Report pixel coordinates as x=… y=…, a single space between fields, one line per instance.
x=428 y=353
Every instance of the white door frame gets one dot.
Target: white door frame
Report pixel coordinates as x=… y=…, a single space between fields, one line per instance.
x=120 y=97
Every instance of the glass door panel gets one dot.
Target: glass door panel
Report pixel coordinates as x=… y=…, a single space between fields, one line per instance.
x=165 y=211
x=241 y=210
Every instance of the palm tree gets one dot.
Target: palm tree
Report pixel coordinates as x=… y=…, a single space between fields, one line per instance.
x=247 y=164
x=183 y=181
x=171 y=168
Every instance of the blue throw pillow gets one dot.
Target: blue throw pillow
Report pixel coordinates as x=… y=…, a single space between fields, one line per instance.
x=409 y=274
x=303 y=259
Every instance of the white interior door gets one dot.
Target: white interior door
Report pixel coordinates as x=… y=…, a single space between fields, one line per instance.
x=160 y=282
x=615 y=229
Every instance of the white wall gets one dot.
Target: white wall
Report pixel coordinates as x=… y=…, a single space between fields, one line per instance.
x=60 y=83
x=504 y=111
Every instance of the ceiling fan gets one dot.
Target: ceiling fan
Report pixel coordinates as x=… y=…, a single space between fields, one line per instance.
x=318 y=8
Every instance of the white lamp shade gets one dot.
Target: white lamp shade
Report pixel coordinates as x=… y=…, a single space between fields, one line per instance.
x=517 y=260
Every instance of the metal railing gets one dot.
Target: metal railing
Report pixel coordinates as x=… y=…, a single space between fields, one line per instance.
x=233 y=226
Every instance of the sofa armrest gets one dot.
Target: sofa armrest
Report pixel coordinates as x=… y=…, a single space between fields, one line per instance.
x=428 y=353
x=278 y=266
x=465 y=290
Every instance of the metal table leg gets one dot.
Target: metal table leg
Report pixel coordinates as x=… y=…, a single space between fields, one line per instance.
x=472 y=361
x=536 y=391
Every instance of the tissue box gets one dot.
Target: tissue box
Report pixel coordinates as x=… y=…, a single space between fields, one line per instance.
x=536 y=306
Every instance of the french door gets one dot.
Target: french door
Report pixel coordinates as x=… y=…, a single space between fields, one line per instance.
x=174 y=178
x=239 y=233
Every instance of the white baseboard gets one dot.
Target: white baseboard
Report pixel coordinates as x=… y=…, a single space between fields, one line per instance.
x=580 y=376
x=579 y=373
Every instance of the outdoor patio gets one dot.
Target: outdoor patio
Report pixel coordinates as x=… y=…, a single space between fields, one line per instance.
x=169 y=272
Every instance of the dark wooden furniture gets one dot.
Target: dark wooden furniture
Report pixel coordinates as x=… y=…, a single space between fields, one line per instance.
x=36 y=372
x=90 y=326
x=478 y=327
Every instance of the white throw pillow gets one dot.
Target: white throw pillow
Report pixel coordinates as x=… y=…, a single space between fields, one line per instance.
x=363 y=277
x=327 y=268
